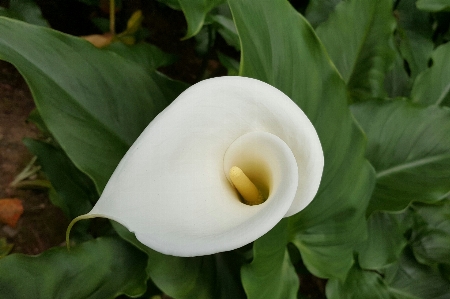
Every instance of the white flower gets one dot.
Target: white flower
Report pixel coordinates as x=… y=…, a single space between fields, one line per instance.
x=173 y=187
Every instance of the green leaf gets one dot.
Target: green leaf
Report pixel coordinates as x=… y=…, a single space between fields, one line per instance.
x=93 y=115
x=227 y=29
x=193 y=277
x=318 y=11
x=271 y=274
x=431 y=237
x=201 y=277
x=433 y=5
x=272 y=36
x=195 y=12
x=358 y=284
x=24 y=10
x=397 y=81
x=407 y=279
x=432 y=87
x=415 y=32
x=37 y=120
x=74 y=188
x=381 y=248
x=148 y=56
x=101 y=268
x=358 y=38
x=229 y=63
x=5 y=247
x=409 y=150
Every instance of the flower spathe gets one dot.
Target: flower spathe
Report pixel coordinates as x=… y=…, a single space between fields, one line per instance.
x=173 y=187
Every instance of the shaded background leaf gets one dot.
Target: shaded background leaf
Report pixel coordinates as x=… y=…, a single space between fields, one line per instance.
x=433 y=5
x=397 y=81
x=318 y=11
x=24 y=10
x=195 y=12
x=430 y=240
x=415 y=35
x=358 y=38
x=432 y=86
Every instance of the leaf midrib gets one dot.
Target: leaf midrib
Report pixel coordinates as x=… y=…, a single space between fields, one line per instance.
x=411 y=164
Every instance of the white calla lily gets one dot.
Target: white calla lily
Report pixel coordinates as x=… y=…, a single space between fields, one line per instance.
x=173 y=187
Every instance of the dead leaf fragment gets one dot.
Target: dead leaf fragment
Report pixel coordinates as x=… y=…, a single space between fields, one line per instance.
x=10 y=211
x=99 y=40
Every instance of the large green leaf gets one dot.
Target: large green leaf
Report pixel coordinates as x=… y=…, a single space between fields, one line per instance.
x=195 y=12
x=271 y=259
x=318 y=11
x=280 y=48
x=358 y=38
x=409 y=146
x=407 y=279
x=432 y=87
x=433 y=5
x=381 y=248
x=90 y=112
x=101 y=268
x=414 y=32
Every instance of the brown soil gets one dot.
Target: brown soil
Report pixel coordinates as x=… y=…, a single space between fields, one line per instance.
x=42 y=225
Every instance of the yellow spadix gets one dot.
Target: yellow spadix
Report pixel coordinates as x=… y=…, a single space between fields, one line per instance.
x=245 y=187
